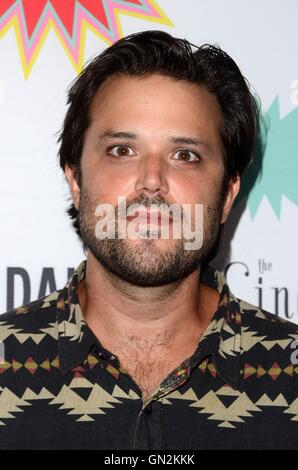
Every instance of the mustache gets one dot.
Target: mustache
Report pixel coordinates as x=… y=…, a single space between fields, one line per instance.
x=147 y=202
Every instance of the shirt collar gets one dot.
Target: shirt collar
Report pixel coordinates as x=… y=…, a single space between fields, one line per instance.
x=221 y=339
x=75 y=338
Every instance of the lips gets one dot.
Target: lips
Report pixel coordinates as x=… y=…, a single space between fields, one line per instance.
x=150 y=218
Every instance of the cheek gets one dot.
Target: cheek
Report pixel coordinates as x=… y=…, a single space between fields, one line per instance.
x=191 y=190
x=107 y=185
x=200 y=184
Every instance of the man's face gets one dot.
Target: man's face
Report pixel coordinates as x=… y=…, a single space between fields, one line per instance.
x=152 y=140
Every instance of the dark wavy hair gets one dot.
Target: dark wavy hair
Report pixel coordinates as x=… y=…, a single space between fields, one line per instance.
x=149 y=52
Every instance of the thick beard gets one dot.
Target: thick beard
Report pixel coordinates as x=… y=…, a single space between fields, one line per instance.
x=143 y=263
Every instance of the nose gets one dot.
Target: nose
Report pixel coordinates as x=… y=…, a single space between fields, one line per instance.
x=152 y=178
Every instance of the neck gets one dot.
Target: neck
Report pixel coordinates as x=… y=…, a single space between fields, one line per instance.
x=133 y=318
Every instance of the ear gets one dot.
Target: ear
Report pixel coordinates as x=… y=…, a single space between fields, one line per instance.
x=71 y=176
x=233 y=190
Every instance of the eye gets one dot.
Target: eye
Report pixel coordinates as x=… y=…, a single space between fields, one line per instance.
x=121 y=150
x=186 y=155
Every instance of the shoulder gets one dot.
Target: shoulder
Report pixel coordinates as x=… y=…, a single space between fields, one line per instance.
x=28 y=341
x=30 y=317
x=268 y=343
x=256 y=318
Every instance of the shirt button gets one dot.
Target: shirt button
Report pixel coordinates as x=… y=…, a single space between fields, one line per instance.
x=99 y=353
x=104 y=355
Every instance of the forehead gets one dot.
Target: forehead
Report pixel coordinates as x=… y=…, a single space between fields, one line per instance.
x=156 y=100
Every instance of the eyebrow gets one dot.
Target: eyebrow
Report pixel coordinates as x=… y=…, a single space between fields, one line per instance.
x=110 y=134
x=188 y=140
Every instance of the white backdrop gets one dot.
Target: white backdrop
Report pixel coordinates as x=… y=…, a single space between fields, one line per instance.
x=35 y=231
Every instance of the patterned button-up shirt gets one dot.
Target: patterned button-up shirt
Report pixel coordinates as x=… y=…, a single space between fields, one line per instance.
x=61 y=389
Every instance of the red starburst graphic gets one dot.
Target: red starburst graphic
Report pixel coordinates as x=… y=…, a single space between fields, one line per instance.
x=70 y=18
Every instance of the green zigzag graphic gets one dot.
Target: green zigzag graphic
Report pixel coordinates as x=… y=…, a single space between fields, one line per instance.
x=277 y=155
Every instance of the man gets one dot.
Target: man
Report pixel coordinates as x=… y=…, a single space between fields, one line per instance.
x=146 y=347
